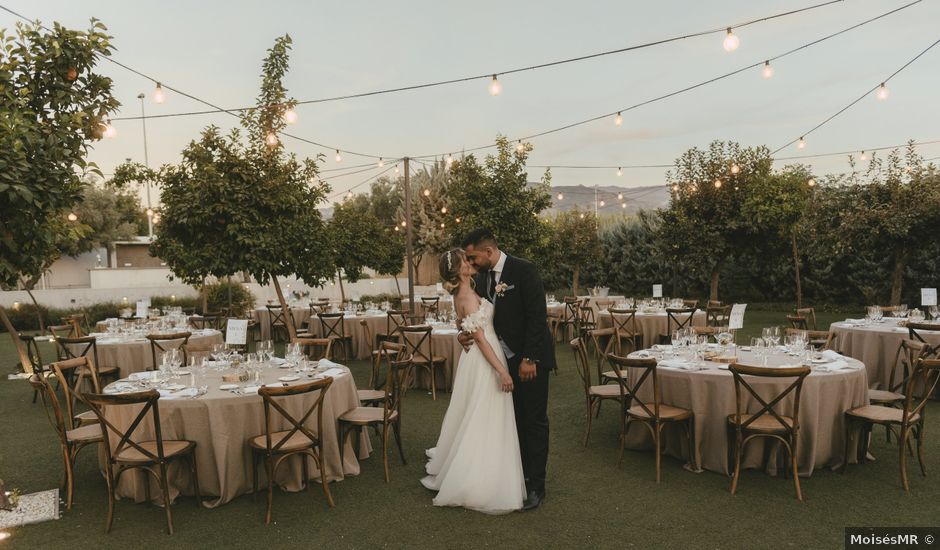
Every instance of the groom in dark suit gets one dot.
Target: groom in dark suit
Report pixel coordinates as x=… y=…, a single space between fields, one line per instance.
x=514 y=287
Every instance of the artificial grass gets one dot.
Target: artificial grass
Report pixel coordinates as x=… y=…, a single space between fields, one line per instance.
x=590 y=502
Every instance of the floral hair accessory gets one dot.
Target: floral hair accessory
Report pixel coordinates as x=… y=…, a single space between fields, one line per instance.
x=449 y=261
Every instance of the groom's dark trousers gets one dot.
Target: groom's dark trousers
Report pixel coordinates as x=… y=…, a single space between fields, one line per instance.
x=530 y=400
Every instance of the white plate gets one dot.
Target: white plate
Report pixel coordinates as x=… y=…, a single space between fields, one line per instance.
x=227 y=387
x=820 y=360
x=289 y=378
x=174 y=387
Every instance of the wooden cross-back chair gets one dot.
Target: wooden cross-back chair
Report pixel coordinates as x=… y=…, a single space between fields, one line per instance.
x=80 y=323
x=71 y=439
x=914 y=333
x=819 y=339
x=675 y=321
x=417 y=341
x=277 y=322
x=394 y=320
x=654 y=415
x=61 y=331
x=767 y=422
x=909 y=351
x=693 y=304
x=203 y=322
x=624 y=321
x=431 y=305
x=594 y=395
x=77 y=376
x=586 y=320
x=36 y=365
x=809 y=314
x=275 y=446
x=400 y=371
x=123 y=453
x=908 y=420
x=797 y=322
x=333 y=326
x=87 y=346
x=315 y=348
x=571 y=318
x=163 y=343
x=605 y=343
x=373 y=394
x=717 y=316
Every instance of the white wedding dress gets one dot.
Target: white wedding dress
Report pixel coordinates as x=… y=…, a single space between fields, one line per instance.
x=476 y=463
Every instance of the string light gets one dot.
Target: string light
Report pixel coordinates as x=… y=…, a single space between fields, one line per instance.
x=618 y=120
x=623 y=205
x=427 y=192
x=349 y=194
x=457 y=220
x=149 y=213
x=619 y=196
x=602 y=204
x=72 y=217
x=404 y=223
x=381 y=162
x=443 y=210
x=675 y=188
x=271 y=139
x=396 y=168
x=156 y=218
x=290 y=116
x=109 y=130
x=619 y=171
x=520 y=147
x=767 y=71
x=811 y=182
x=442 y=225
x=158 y=95
x=495 y=86
x=561 y=196
x=735 y=168
x=339 y=157
x=450 y=159
x=396 y=228
x=717 y=184
x=801 y=144
x=882 y=93
x=731 y=41
x=863 y=157
x=582 y=216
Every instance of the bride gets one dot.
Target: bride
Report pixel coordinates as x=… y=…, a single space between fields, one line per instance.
x=477 y=462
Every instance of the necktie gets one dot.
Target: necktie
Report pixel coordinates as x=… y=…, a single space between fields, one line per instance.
x=492 y=289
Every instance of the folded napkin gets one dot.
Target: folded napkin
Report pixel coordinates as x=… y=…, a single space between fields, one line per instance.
x=854 y=321
x=445 y=331
x=277 y=361
x=832 y=355
x=675 y=364
x=326 y=363
x=333 y=372
x=185 y=392
x=120 y=387
x=145 y=375
x=251 y=390
x=109 y=340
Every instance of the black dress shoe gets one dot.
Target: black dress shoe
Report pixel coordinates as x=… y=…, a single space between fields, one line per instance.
x=533 y=501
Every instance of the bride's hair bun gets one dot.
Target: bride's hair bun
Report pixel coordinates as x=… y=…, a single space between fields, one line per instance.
x=450 y=269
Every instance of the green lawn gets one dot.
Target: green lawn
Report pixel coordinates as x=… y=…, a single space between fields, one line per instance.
x=590 y=501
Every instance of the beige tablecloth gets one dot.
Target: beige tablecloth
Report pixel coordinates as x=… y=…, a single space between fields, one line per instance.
x=710 y=395
x=652 y=325
x=876 y=346
x=221 y=423
x=135 y=355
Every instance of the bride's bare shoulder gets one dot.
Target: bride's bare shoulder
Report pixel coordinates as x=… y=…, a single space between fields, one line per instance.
x=466 y=302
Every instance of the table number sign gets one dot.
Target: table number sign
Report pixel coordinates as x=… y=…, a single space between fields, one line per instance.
x=142 y=308
x=236 y=332
x=928 y=296
x=657 y=291
x=736 y=319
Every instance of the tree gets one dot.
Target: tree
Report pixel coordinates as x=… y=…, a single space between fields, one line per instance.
x=703 y=223
x=575 y=242
x=360 y=240
x=430 y=211
x=109 y=214
x=497 y=195
x=54 y=106
x=237 y=204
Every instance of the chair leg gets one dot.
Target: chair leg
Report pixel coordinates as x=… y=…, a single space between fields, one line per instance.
x=269 y=470
x=69 y=477
x=848 y=445
x=587 y=427
x=902 y=448
x=433 y=382
x=657 y=438
x=919 y=435
x=690 y=426
x=385 y=453
x=794 y=469
x=304 y=473
x=343 y=431
x=254 y=474
x=165 y=488
x=738 y=443
x=109 y=481
x=324 y=477
x=192 y=464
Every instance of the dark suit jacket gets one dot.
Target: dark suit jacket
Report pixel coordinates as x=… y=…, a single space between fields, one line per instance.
x=520 y=318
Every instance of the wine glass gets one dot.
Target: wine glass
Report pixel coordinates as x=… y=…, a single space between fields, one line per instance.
x=775 y=336
x=677 y=340
x=934 y=312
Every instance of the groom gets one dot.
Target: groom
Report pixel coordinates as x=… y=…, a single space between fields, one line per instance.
x=514 y=287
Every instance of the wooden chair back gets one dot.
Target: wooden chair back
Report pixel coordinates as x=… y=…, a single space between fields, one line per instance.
x=909 y=351
x=66 y=330
x=767 y=407
x=431 y=304
x=315 y=348
x=603 y=303
x=203 y=322
x=73 y=375
x=572 y=309
x=624 y=321
x=586 y=316
x=274 y=411
x=809 y=314
x=713 y=303
x=50 y=403
x=914 y=330
x=582 y=363
x=716 y=316
x=675 y=320
x=276 y=315
x=606 y=343
x=394 y=320
x=400 y=372
x=166 y=342
x=648 y=368
x=798 y=322
x=417 y=341
x=125 y=438
x=79 y=322
x=87 y=347
x=32 y=353
x=693 y=304
x=920 y=387
x=332 y=325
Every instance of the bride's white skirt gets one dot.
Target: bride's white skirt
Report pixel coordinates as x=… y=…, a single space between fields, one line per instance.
x=476 y=463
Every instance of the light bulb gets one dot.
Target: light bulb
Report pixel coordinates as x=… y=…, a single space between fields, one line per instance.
x=602 y=204
x=561 y=196
x=735 y=168
x=495 y=86
x=619 y=196
x=811 y=182
x=109 y=130
x=271 y=139
x=403 y=224
x=731 y=41
x=457 y=220
x=339 y=157
x=349 y=194
x=675 y=188
x=443 y=210
x=396 y=168
x=863 y=157
x=717 y=184
x=156 y=218
x=618 y=120
x=450 y=159
x=619 y=171
x=427 y=192
x=694 y=187
x=520 y=147
x=72 y=217
x=882 y=93
x=767 y=71
x=290 y=116
x=381 y=162
x=623 y=205
x=582 y=216
x=158 y=95
x=801 y=144
x=442 y=225
x=149 y=213
x=396 y=228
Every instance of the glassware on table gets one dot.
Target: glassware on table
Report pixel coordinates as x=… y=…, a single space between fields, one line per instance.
x=934 y=312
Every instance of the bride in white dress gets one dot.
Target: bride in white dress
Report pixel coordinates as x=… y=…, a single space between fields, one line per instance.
x=476 y=463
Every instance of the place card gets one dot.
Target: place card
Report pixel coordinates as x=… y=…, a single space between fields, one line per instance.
x=142 y=307
x=657 y=291
x=236 y=332
x=736 y=319
x=928 y=296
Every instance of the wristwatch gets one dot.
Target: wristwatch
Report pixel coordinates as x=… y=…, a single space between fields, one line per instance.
x=533 y=361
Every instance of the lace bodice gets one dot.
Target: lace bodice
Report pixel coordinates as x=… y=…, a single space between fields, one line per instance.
x=480 y=318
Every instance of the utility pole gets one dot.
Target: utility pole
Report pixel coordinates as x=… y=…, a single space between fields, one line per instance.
x=595 y=207
x=409 y=249
x=143 y=124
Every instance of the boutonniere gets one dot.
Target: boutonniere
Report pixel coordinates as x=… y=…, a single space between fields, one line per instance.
x=502 y=288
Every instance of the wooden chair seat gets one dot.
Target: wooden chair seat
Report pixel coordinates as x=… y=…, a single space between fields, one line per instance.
x=605 y=391
x=171 y=447
x=882 y=397
x=87 y=417
x=296 y=442
x=878 y=414
x=370 y=396
x=610 y=375
x=763 y=424
x=435 y=359
x=366 y=415
x=85 y=434
x=666 y=412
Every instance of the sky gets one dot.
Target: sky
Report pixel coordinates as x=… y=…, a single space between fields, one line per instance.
x=214 y=50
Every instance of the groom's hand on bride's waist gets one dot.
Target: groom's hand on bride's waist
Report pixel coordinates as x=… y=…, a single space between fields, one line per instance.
x=465 y=339
x=527 y=370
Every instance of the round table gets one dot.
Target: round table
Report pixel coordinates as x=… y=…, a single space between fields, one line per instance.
x=132 y=353
x=221 y=423
x=710 y=395
x=876 y=345
x=651 y=325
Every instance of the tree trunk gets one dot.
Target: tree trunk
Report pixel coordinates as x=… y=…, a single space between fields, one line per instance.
x=204 y=296
x=796 y=268
x=20 y=348
x=716 y=273
x=342 y=291
x=288 y=314
x=28 y=288
x=398 y=286
x=897 y=277
x=574 y=279
x=229 y=287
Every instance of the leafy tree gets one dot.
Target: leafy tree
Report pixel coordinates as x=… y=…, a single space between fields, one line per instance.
x=432 y=219
x=54 y=106
x=237 y=204
x=109 y=214
x=360 y=240
x=497 y=195
x=575 y=243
